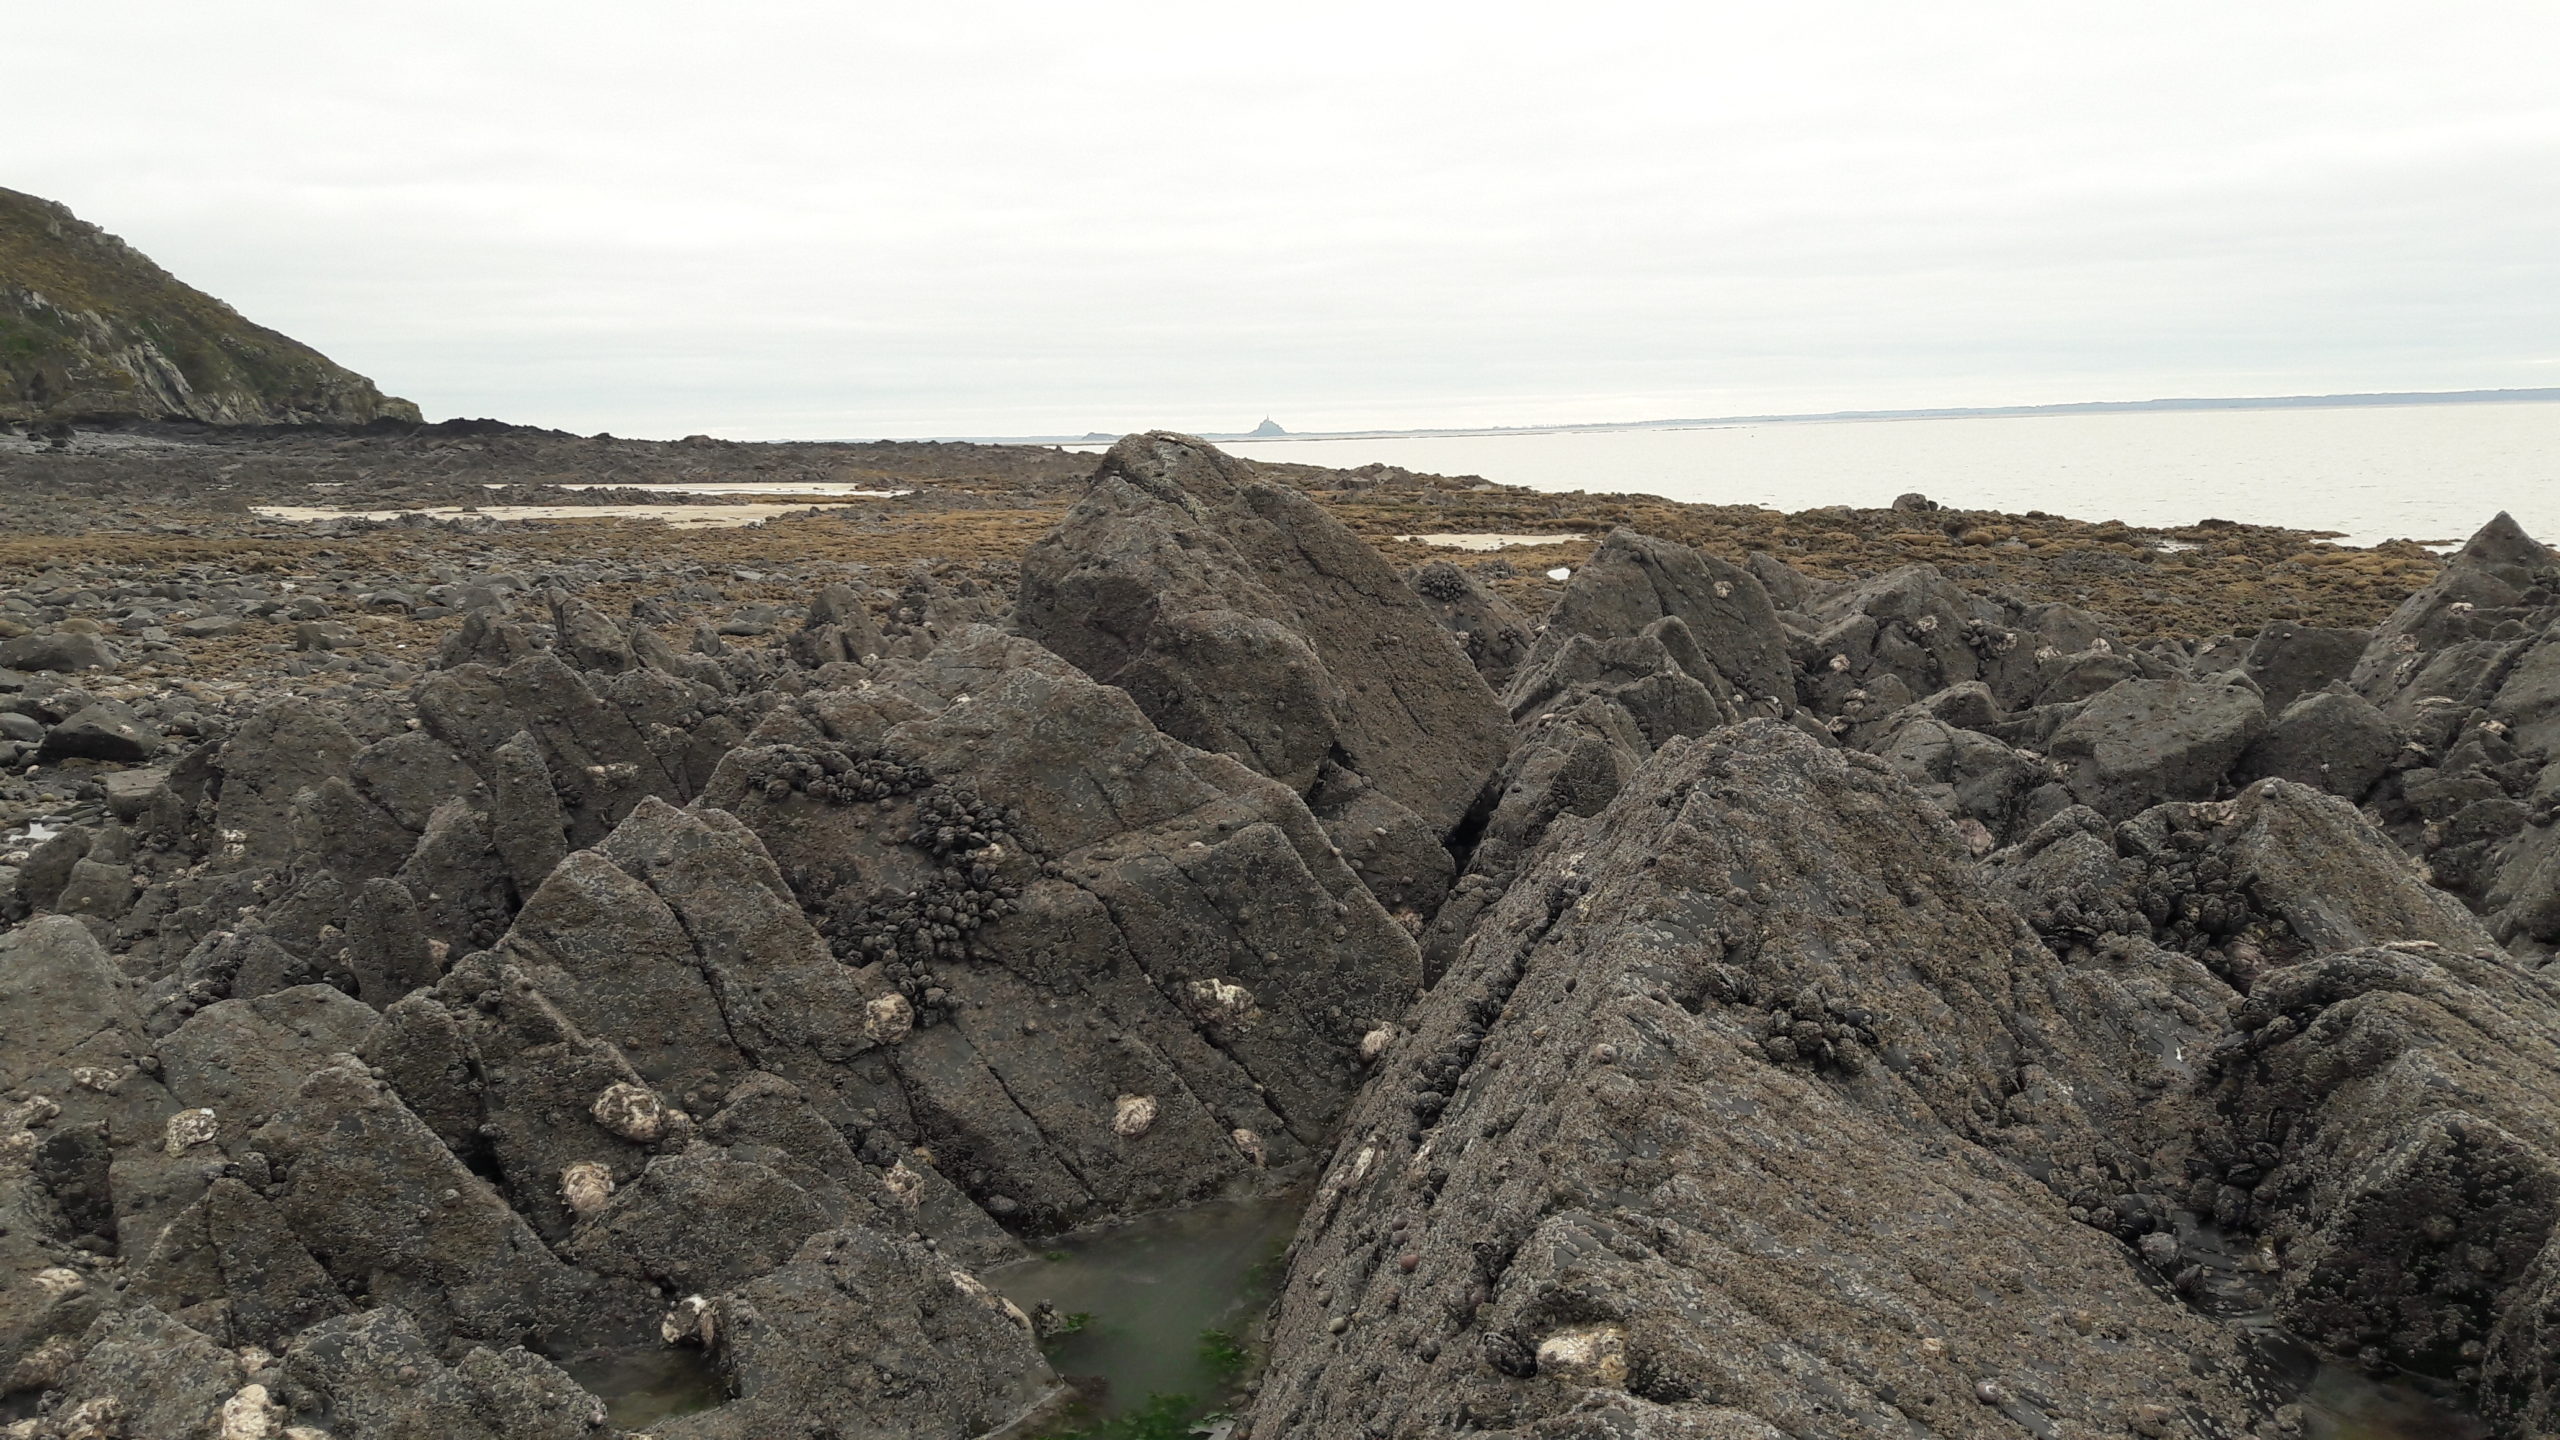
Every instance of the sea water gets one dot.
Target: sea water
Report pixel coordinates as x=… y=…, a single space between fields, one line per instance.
x=2414 y=472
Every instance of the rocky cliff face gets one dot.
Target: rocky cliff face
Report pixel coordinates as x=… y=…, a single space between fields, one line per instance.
x=91 y=330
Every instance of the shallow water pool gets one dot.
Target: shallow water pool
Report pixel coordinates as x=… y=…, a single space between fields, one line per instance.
x=1151 y=1290
x=1490 y=540
x=2342 y=1404
x=639 y=1388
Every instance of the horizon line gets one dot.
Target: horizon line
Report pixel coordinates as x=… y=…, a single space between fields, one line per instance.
x=2527 y=395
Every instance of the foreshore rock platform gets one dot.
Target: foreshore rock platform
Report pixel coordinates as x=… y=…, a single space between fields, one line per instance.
x=1730 y=975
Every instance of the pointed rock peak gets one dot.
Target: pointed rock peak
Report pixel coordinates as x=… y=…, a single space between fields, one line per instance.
x=2503 y=542
x=1174 y=467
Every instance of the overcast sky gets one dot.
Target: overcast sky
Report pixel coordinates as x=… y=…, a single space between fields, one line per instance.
x=767 y=219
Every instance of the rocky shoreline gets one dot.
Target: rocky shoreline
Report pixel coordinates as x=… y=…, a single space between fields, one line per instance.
x=1722 y=974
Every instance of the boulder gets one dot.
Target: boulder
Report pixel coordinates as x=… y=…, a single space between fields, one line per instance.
x=839 y=606
x=272 y=756
x=943 y=1357
x=75 y=1036
x=103 y=730
x=131 y=793
x=2145 y=741
x=1633 y=580
x=1245 y=621
x=2290 y=660
x=67 y=651
x=2331 y=740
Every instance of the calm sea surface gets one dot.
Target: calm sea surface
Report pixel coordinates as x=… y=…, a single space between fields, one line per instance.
x=2416 y=472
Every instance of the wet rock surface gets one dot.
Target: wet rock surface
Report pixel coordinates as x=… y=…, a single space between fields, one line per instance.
x=449 y=966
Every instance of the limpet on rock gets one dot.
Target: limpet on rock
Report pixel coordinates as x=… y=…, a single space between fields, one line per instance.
x=585 y=1185
x=631 y=1112
x=250 y=1415
x=1133 y=1115
x=187 y=1129
x=1594 y=1355
x=904 y=1185
x=888 y=1019
x=689 y=1323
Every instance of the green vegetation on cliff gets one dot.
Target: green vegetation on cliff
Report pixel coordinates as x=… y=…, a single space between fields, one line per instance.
x=90 y=329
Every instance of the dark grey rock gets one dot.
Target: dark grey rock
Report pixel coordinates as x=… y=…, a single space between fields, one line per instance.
x=131 y=793
x=2145 y=741
x=67 y=651
x=841 y=607
x=2331 y=740
x=526 y=822
x=230 y=1267
x=2414 y=1231
x=2336 y=881
x=947 y=1359
x=389 y=1211
x=1633 y=580
x=1490 y=629
x=697 y=1223
x=379 y=1375
x=388 y=949
x=103 y=730
x=275 y=754
x=153 y=1375
x=1569 y=1181
x=245 y=1059
x=2290 y=660
x=94 y=889
x=1175 y=928
x=1246 y=621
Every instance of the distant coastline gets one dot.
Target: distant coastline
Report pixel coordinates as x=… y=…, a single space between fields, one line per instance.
x=1956 y=412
